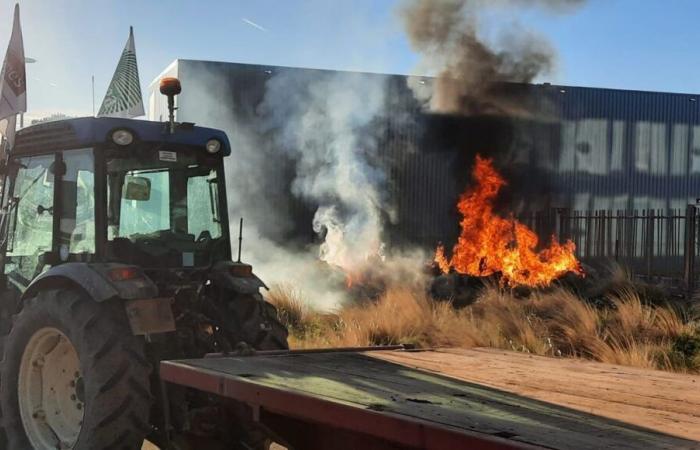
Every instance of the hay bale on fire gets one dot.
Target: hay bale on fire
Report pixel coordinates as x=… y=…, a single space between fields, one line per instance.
x=494 y=247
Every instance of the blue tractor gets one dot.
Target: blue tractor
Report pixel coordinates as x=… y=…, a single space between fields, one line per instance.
x=115 y=253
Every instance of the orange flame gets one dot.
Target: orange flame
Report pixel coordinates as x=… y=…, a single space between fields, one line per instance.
x=349 y=280
x=490 y=244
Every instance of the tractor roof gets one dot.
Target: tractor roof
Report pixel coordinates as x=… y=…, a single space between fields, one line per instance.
x=88 y=131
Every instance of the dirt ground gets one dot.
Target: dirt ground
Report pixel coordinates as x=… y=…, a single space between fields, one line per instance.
x=661 y=401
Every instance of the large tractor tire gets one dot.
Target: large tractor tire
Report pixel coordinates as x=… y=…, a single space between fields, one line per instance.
x=5 y=325
x=73 y=376
x=8 y=298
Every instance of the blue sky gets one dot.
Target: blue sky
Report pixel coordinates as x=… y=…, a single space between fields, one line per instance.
x=631 y=44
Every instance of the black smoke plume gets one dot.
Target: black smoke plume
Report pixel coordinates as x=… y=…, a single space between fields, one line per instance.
x=448 y=36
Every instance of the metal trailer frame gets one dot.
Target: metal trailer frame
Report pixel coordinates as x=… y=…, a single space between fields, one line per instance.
x=313 y=423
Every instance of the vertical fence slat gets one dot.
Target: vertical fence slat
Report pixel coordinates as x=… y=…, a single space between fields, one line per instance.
x=652 y=243
x=690 y=248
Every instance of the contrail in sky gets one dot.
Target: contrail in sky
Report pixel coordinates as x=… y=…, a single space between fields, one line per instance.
x=47 y=82
x=253 y=24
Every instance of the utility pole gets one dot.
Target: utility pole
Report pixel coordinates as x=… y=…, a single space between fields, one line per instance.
x=93 y=96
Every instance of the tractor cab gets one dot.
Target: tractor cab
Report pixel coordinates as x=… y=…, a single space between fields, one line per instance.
x=105 y=190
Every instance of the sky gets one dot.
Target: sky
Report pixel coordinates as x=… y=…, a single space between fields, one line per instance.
x=627 y=44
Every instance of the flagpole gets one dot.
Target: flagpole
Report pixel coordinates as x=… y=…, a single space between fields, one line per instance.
x=93 y=96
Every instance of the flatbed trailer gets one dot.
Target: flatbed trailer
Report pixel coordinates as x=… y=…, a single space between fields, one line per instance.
x=366 y=400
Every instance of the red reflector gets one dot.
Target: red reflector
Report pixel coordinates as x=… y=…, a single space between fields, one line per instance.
x=123 y=274
x=242 y=270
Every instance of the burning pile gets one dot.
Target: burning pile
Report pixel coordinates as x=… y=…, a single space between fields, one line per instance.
x=489 y=244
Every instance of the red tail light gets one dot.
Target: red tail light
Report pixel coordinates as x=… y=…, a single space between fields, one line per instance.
x=124 y=274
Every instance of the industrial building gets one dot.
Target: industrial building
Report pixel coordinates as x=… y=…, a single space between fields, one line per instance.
x=561 y=147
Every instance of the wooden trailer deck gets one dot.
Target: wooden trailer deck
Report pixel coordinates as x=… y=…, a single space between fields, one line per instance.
x=668 y=403
x=436 y=400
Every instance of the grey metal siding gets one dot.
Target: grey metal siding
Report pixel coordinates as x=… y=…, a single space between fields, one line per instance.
x=570 y=147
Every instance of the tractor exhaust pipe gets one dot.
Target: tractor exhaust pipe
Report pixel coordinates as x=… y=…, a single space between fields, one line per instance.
x=240 y=239
x=170 y=87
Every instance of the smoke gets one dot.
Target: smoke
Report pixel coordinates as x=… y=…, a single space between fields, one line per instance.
x=334 y=126
x=253 y=169
x=330 y=125
x=451 y=39
x=310 y=142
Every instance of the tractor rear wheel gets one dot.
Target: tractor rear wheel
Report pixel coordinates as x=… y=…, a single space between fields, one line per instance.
x=5 y=324
x=74 y=376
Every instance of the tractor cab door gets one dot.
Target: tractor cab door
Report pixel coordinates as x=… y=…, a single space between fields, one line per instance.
x=49 y=214
x=30 y=218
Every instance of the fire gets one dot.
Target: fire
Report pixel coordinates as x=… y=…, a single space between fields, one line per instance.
x=349 y=280
x=490 y=244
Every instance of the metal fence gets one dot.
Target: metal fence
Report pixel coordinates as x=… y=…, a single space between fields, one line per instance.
x=652 y=243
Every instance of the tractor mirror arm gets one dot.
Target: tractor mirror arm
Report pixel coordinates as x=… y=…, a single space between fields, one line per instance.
x=7 y=167
x=9 y=213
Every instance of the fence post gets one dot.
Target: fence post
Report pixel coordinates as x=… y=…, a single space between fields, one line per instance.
x=563 y=225
x=608 y=232
x=589 y=225
x=619 y=224
x=650 y=241
x=689 y=257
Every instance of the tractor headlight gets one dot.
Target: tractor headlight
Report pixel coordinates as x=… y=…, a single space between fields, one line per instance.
x=122 y=137
x=213 y=146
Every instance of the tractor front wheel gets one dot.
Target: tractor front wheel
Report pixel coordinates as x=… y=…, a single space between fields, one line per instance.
x=74 y=376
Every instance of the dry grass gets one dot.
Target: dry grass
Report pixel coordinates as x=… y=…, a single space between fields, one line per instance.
x=552 y=323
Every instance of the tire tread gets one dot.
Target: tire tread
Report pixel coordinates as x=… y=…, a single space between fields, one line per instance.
x=116 y=371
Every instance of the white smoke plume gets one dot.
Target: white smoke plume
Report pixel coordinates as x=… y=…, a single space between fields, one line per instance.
x=314 y=139
x=329 y=125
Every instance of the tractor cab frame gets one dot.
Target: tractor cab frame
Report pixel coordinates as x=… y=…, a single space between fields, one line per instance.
x=100 y=190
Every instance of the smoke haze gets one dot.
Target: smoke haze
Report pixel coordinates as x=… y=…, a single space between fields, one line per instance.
x=312 y=142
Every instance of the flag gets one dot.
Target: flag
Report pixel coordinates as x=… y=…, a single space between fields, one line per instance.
x=13 y=83
x=123 y=97
x=7 y=129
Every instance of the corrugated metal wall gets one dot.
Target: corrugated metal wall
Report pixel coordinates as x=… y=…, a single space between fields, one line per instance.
x=566 y=147
x=627 y=149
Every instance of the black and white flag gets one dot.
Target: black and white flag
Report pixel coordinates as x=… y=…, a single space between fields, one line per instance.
x=123 y=98
x=13 y=83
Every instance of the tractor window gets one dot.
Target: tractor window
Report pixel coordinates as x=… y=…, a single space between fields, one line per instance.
x=203 y=215
x=31 y=230
x=78 y=203
x=149 y=215
x=163 y=207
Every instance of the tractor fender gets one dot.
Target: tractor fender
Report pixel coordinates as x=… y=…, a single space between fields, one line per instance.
x=94 y=279
x=244 y=281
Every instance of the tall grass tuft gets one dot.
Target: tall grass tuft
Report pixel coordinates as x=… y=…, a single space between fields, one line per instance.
x=555 y=322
